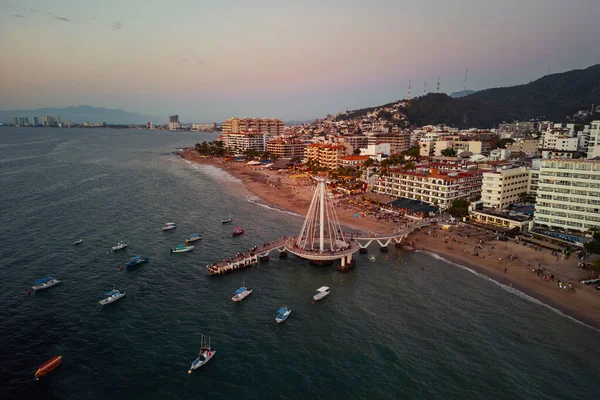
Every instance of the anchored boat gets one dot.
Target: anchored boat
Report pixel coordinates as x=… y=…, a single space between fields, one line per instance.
x=282 y=314
x=193 y=237
x=226 y=220
x=119 y=246
x=48 y=367
x=78 y=242
x=241 y=293
x=204 y=356
x=169 y=225
x=112 y=296
x=238 y=231
x=45 y=283
x=136 y=260
x=322 y=292
x=182 y=248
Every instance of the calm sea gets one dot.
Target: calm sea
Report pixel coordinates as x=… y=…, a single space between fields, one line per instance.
x=409 y=326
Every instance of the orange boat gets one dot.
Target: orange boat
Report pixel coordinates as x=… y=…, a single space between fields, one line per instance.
x=48 y=367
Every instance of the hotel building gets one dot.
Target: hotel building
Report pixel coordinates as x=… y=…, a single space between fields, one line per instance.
x=268 y=126
x=433 y=187
x=327 y=155
x=286 y=148
x=240 y=142
x=504 y=187
x=569 y=194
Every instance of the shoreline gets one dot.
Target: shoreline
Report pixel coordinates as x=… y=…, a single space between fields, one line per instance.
x=522 y=291
x=281 y=193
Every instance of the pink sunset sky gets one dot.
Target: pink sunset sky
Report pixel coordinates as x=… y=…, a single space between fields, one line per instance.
x=208 y=60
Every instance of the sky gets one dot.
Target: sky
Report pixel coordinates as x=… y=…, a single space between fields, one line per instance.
x=294 y=60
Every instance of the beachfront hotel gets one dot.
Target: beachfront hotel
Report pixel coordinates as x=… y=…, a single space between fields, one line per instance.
x=240 y=142
x=267 y=126
x=286 y=148
x=568 y=195
x=328 y=155
x=504 y=187
x=434 y=187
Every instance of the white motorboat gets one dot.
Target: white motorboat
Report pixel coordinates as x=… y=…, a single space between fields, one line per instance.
x=282 y=314
x=182 y=248
x=78 y=242
x=119 y=246
x=322 y=292
x=169 y=225
x=241 y=293
x=112 y=296
x=194 y=237
x=45 y=283
x=204 y=356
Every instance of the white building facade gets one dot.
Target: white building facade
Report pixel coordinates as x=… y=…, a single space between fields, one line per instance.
x=504 y=187
x=569 y=195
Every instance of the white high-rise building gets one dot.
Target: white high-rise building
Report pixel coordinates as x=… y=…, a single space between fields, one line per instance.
x=594 y=141
x=174 y=122
x=568 y=194
x=504 y=187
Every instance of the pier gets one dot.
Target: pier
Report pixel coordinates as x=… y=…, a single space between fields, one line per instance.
x=248 y=259
x=321 y=240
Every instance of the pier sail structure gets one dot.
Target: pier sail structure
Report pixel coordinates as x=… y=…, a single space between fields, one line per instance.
x=321 y=230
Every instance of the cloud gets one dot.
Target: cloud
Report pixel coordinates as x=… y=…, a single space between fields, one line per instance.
x=117 y=25
x=19 y=16
x=184 y=60
x=58 y=18
x=200 y=62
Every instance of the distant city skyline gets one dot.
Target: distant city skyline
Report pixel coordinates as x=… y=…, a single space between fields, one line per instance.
x=209 y=60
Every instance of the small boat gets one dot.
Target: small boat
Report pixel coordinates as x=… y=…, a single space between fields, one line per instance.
x=193 y=237
x=48 y=367
x=226 y=219
x=119 y=246
x=204 y=356
x=45 y=283
x=182 y=248
x=136 y=260
x=238 y=231
x=282 y=314
x=78 y=242
x=169 y=225
x=322 y=292
x=241 y=293
x=372 y=259
x=112 y=296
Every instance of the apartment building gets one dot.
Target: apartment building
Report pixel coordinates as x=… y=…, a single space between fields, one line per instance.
x=569 y=195
x=286 y=148
x=433 y=187
x=240 y=142
x=594 y=140
x=174 y=123
x=504 y=187
x=268 y=126
x=327 y=155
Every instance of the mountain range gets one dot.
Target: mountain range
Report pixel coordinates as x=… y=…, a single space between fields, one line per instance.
x=82 y=114
x=552 y=97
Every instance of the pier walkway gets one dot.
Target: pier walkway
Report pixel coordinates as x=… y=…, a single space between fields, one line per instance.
x=244 y=260
x=286 y=244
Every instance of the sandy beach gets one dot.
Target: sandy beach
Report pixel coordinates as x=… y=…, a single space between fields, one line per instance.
x=509 y=263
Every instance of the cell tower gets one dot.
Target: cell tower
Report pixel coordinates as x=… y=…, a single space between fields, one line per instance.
x=425 y=88
x=438 y=85
x=409 y=92
x=466 y=71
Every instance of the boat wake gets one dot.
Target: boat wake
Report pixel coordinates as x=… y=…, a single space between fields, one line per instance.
x=509 y=289
x=256 y=200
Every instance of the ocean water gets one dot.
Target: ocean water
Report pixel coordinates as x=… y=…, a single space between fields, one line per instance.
x=408 y=326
